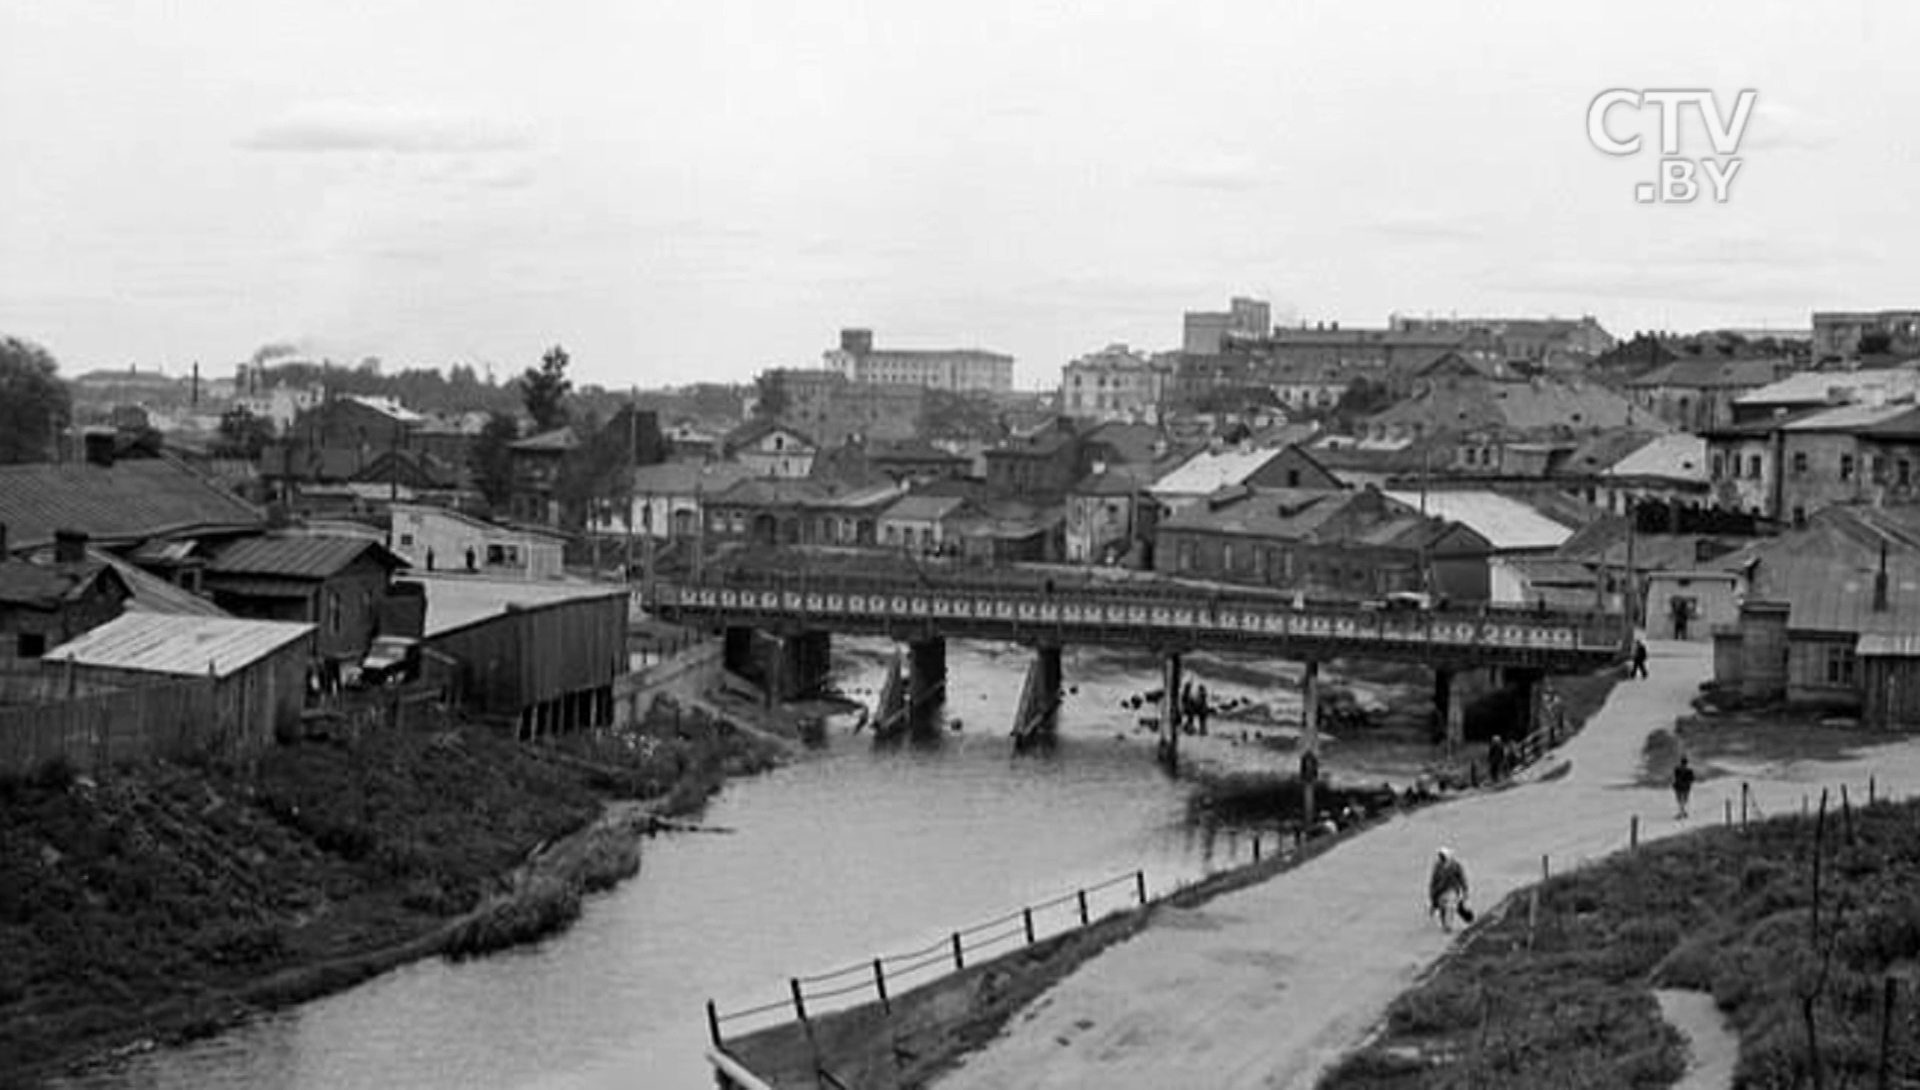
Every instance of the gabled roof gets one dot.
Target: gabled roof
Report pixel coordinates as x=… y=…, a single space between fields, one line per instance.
x=920 y=508
x=772 y=492
x=1849 y=418
x=1504 y=521
x=558 y=441
x=688 y=478
x=1465 y=404
x=1211 y=470
x=1293 y=514
x=754 y=430
x=1827 y=581
x=298 y=556
x=480 y=525
x=179 y=645
x=47 y=586
x=387 y=407
x=1602 y=452
x=1835 y=387
x=1678 y=456
x=129 y=501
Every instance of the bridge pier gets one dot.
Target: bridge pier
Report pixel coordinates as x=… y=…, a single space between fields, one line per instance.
x=1170 y=710
x=926 y=670
x=1527 y=683
x=736 y=649
x=1037 y=720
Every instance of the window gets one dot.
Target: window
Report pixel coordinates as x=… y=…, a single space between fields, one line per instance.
x=1293 y=478
x=1799 y=516
x=1185 y=559
x=1753 y=466
x=1226 y=557
x=1714 y=473
x=334 y=619
x=1902 y=471
x=1799 y=463
x=1879 y=465
x=30 y=645
x=1840 y=665
x=1846 y=467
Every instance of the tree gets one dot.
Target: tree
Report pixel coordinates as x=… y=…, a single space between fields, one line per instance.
x=35 y=406
x=243 y=435
x=544 y=390
x=771 y=399
x=492 y=459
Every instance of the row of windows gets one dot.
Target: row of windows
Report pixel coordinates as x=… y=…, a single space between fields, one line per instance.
x=1725 y=467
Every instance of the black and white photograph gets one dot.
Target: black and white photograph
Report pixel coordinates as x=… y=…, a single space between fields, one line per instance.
x=896 y=545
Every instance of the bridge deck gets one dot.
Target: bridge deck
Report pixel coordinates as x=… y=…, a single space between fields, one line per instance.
x=1167 y=617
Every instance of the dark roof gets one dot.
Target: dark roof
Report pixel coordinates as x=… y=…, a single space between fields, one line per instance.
x=45 y=586
x=1716 y=373
x=298 y=556
x=128 y=501
x=772 y=492
x=558 y=441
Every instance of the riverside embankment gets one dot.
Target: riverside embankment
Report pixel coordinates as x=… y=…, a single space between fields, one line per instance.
x=173 y=901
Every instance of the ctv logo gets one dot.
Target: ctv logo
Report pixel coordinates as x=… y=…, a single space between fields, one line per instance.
x=1678 y=181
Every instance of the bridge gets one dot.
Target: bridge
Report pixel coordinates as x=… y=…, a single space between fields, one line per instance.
x=1166 y=616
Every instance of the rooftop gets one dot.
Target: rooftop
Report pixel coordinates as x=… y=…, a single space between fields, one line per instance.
x=1835 y=387
x=189 y=646
x=298 y=556
x=1677 y=456
x=1211 y=470
x=1506 y=523
x=455 y=601
x=131 y=500
x=1715 y=373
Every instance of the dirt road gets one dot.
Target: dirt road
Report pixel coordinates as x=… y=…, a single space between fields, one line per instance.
x=1267 y=986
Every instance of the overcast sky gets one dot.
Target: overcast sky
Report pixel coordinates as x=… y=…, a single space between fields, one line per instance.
x=694 y=191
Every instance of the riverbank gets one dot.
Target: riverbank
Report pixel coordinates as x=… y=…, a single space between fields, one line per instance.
x=173 y=901
x=1563 y=983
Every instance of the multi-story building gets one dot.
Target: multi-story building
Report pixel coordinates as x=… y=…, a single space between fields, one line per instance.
x=1837 y=334
x=1792 y=467
x=831 y=408
x=1115 y=383
x=1208 y=333
x=960 y=369
x=771 y=449
x=1536 y=339
x=1698 y=394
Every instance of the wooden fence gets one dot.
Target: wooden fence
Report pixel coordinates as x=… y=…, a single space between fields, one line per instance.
x=49 y=718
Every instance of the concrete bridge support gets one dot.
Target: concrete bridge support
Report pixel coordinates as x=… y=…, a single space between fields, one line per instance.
x=1170 y=710
x=801 y=663
x=1528 y=692
x=926 y=671
x=1037 y=720
x=736 y=653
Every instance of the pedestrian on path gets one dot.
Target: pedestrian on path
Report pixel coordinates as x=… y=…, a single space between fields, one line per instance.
x=1682 y=784
x=1448 y=879
x=1639 y=660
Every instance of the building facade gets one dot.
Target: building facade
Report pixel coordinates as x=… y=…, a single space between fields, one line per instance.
x=960 y=369
x=1837 y=334
x=1115 y=383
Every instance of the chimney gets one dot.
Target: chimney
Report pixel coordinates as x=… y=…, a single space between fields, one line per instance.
x=100 y=448
x=1880 y=582
x=69 y=546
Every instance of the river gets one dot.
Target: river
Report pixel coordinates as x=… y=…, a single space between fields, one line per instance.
x=834 y=859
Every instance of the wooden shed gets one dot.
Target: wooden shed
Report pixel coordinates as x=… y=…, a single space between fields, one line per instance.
x=256 y=672
x=1889 y=680
x=544 y=655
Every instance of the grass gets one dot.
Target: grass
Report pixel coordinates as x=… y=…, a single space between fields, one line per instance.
x=1568 y=1002
x=167 y=901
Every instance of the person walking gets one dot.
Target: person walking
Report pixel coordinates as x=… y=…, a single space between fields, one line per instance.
x=1682 y=785
x=1447 y=889
x=1639 y=660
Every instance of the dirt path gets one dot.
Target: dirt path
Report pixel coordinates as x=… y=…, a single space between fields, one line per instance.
x=1713 y=1046
x=1267 y=986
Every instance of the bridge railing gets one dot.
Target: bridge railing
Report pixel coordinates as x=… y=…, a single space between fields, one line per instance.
x=1175 y=609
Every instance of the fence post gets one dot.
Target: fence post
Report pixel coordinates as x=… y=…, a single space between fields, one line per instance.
x=1729 y=806
x=799 y=1002
x=1870 y=790
x=1846 y=813
x=1890 y=989
x=1026 y=917
x=1140 y=883
x=1256 y=847
x=713 y=1023
x=880 y=985
x=1082 y=896
x=959 y=959
x=1546 y=871
x=1533 y=914
x=1633 y=832
x=1744 y=791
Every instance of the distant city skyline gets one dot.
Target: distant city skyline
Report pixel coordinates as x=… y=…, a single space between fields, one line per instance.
x=683 y=194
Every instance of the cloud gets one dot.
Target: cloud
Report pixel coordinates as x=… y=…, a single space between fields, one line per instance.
x=364 y=127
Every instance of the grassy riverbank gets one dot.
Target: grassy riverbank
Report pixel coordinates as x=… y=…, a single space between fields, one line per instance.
x=172 y=900
x=1566 y=1000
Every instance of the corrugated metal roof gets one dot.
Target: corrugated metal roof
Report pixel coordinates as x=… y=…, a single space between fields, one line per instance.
x=1819 y=387
x=129 y=500
x=922 y=508
x=1679 y=457
x=1849 y=417
x=1904 y=645
x=457 y=600
x=181 y=645
x=296 y=556
x=1209 y=471
x=1505 y=522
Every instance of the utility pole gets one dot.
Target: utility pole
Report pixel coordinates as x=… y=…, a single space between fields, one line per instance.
x=633 y=455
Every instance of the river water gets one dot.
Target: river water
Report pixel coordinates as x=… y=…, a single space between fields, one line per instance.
x=852 y=853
